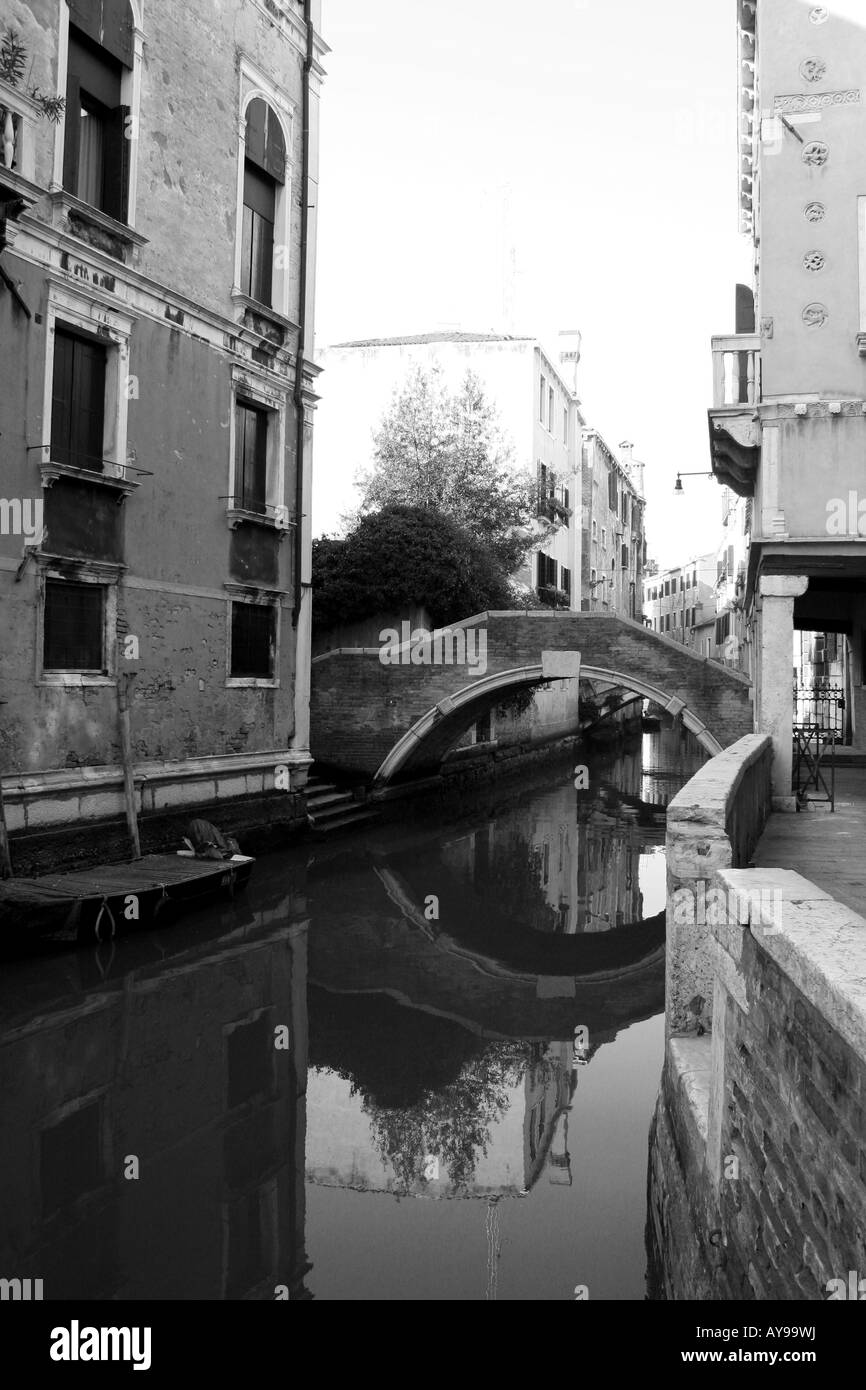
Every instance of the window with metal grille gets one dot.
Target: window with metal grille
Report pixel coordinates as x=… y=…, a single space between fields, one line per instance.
x=77 y=400
x=253 y=640
x=74 y=623
x=251 y=457
x=264 y=173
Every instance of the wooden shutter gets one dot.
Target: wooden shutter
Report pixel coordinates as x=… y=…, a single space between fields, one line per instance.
x=88 y=405
x=61 y=398
x=72 y=134
x=116 y=194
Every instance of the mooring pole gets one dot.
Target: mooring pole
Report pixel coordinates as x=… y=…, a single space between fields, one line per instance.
x=124 y=680
x=5 y=856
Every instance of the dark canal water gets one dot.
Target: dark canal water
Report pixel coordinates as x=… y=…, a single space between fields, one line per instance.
x=363 y=1080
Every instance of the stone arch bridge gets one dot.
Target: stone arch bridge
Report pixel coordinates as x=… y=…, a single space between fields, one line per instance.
x=395 y=715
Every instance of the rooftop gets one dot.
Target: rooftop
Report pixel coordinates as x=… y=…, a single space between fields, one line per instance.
x=445 y=336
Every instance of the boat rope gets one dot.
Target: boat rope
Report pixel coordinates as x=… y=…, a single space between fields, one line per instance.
x=103 y=907
x=494 y=1246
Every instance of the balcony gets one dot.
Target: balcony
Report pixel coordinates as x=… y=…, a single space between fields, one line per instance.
x=735 y=431
x=19 y=115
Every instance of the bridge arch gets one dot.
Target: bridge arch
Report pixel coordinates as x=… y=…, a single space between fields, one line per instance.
x=526 y=676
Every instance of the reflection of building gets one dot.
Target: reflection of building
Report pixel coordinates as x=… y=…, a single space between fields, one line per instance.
x=173 y=1064
x=526 y=1137
x=787 y=423
x=156 y=317
x=550 y=1083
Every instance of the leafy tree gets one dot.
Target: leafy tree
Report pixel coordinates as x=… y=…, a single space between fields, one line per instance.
x=446 y=452
x=401 y=556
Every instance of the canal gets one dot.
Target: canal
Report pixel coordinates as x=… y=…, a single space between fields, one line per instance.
x=418 y=1062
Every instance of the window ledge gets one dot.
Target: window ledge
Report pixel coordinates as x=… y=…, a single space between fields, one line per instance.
x=261 y=320
x=251 y=682
x=74 y=679
x=237 y=516
x=114 y=482
x=106 y=233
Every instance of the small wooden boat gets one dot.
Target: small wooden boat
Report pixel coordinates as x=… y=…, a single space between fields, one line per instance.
x=96 y=904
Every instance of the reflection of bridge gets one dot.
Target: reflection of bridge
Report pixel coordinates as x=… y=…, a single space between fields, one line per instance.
x=400 y=719
x=500 y=986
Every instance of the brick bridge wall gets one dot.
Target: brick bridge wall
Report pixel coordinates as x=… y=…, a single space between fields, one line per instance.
x=362 y=708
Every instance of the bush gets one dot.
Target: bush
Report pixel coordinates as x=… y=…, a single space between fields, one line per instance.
x=403 y=556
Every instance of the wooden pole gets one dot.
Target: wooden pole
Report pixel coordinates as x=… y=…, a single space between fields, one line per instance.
x=124 y=680
x=5 y=856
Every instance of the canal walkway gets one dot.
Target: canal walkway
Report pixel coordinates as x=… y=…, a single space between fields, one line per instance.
x=828 y=849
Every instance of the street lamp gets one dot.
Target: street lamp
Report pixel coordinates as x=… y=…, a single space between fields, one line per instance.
x=678 y=485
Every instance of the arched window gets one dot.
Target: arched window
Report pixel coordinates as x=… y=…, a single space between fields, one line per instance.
x=264 y=176
x=96 y=148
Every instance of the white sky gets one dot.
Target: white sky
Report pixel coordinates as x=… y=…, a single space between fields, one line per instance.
x=593 y=139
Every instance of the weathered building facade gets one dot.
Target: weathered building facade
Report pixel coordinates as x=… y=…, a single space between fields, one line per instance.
x=788 y=423
x=156 y=335
x=614 y=530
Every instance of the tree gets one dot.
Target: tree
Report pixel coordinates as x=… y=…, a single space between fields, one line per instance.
x=402 y=556
x=446 y=452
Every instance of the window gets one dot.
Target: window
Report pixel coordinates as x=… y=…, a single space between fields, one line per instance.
x=667 y=591
x=74 y=627
x=612 y=494
x=625 y=508
x=604 y=537
x=264 y=173
x=546 y=571
x=566 y=581
x=77 y=401
x=251 y=457
x=96 y=149
x=565 y=426
x=624 y=559
x=253 y=640
x=550 y=405
x=594 y=530
x=542 y=396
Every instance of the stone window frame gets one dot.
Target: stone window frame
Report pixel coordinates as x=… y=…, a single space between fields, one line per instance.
x=102 y=573
x=254 y=83
x=130 y=95
x=264 y=598
x=249 y=385
x=77 y=309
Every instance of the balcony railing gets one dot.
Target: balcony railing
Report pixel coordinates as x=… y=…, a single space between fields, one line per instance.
x=736 y=371
x=18 y=117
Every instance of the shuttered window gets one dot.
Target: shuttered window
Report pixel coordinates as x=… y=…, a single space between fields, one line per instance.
x=264 y=172
x=77 y=401
x=251 y=457
x=73 y=627
x=253 y=640
x=96 y=148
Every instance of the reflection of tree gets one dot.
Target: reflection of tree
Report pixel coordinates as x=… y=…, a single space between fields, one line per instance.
x=451 y=1125
x=430 y=1088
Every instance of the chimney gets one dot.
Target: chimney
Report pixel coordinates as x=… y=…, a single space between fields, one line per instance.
x=569 y=354
x=633 y=467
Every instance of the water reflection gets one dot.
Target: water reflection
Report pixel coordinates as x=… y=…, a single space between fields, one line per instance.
x=432 y=1127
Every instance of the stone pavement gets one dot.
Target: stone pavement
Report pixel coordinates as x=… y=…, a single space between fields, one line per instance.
x=829 y=850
